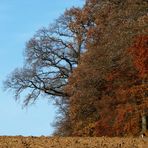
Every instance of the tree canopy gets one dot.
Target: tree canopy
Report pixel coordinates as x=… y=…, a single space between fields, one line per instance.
x=93 y=63
x=107 y=94
x=50 y=57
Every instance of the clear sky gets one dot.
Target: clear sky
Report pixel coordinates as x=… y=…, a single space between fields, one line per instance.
x=19 y=20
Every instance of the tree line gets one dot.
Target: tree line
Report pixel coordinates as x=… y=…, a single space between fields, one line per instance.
x=93 y=63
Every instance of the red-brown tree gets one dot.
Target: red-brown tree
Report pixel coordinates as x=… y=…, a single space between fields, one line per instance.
x=102 y=89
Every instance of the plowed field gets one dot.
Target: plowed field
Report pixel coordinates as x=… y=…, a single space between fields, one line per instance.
x=71 y=142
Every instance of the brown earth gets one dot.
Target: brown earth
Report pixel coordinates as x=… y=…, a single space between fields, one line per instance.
x=71 y=142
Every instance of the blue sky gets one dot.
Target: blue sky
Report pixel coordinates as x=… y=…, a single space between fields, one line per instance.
x=19 y=20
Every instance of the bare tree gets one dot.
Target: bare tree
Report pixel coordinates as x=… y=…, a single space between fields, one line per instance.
x=50 y=57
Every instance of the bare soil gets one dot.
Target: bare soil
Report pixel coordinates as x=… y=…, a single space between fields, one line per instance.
x=71 y=142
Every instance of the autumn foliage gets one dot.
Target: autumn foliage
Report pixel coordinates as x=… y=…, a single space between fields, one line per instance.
x=92 y=62
x=108 y=89
x=139 y=51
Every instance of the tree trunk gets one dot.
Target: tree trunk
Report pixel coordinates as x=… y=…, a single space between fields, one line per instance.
x=144 y=123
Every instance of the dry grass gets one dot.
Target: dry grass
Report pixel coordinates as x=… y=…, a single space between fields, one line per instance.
x=71 y=142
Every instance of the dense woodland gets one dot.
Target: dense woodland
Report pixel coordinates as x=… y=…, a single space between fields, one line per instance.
x=93 y=63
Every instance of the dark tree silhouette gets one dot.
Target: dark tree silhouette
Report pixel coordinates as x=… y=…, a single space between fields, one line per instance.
x=50 y=57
